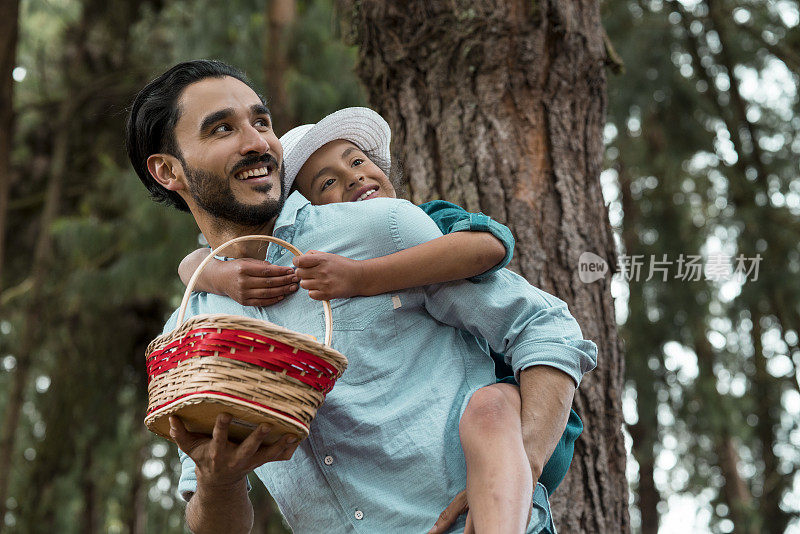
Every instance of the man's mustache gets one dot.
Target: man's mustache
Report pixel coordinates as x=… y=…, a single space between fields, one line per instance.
x=247 y=161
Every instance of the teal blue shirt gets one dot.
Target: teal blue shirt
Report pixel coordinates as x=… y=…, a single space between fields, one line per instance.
x=384 y=453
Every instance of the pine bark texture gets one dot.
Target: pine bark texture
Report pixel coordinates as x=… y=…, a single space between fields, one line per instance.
x=500 y=107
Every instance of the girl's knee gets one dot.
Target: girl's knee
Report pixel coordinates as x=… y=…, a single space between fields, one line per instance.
x=490 y=409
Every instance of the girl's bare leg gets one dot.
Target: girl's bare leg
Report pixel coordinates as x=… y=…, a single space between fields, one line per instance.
x=499 y=480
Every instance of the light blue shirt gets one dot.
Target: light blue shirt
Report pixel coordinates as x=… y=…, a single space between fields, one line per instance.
x=384 y=453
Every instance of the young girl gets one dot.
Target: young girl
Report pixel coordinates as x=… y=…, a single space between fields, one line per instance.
x=345 y=158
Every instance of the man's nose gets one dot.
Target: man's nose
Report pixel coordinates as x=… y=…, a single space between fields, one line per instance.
x=253 y=141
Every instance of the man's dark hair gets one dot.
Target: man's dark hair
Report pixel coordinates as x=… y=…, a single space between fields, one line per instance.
x=155 y=112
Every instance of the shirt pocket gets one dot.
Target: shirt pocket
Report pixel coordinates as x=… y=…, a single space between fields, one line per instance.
x=358 y=313
x=364 y=331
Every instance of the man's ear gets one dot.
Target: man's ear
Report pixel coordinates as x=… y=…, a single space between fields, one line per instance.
x=167 y=171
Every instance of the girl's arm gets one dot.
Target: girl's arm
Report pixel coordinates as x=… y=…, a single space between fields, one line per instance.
x=455 y=256
x=248 y=281
x=473 y=246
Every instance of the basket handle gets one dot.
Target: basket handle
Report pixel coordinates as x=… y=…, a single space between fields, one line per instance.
x=326 y=306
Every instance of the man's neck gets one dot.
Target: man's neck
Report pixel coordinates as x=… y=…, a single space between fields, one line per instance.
x=218 y=232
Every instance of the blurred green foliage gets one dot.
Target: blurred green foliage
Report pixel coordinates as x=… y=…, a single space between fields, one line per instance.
x=702 y=147
x=82 y=455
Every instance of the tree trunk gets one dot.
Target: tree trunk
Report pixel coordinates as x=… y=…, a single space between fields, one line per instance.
x=735 y=491
x=137 y=496
x=750 y=141
x=645 y=433
x=89 y=493
x=280 y=16
x=766 y=393
x=9 y=16
x=499 y=107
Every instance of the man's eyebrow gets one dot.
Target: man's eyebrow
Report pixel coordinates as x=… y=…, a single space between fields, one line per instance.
x=260 y=109
x=214 y=118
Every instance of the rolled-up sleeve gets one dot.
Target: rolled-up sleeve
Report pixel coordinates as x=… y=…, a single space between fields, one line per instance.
x=187 y=485
x=528 y=325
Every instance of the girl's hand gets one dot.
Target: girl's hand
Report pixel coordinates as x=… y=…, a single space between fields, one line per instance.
x=255 y=282
x=329 y=276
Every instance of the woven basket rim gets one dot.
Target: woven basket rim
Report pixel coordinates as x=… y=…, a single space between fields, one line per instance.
x=279 y=333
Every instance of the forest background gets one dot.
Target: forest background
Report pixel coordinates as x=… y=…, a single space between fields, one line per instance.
x=701 y=165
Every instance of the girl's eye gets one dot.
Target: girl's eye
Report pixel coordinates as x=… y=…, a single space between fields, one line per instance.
x=329 y=182
x=357 y=162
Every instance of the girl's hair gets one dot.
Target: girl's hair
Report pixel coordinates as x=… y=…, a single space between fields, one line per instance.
x=397 y=177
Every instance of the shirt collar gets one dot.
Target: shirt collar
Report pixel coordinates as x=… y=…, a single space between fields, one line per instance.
x=291 y=207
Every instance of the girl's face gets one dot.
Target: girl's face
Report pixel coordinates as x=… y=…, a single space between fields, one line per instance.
x=340 y=172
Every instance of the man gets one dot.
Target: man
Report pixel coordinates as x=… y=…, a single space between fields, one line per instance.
x=383 y=454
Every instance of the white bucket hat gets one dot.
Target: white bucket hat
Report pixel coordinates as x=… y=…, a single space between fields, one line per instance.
x=361 y=126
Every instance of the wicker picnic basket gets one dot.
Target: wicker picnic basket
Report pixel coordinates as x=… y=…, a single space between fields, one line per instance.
x=257 y=371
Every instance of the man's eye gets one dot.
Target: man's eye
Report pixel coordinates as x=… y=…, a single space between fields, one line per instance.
x=327 y=183
x=262 y=123
x=221 y=128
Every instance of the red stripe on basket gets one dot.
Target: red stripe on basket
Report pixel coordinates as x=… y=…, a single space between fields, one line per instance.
x=247 y=347
x=268 y=408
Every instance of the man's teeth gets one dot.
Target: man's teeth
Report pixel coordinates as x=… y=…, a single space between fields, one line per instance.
x=263 y=171
x=366 y=194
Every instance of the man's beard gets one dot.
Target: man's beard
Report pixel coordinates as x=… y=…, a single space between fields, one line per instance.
x=212 y=193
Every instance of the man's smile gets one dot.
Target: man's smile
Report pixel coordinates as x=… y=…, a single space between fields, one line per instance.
x=258 y=172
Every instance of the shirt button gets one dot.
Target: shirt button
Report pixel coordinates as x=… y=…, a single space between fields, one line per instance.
x=283 y=252
x=328 y=460
x=359 y=514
